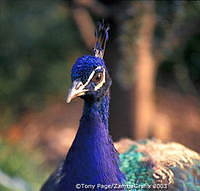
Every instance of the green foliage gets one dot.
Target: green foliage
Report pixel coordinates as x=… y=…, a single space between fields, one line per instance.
x=4 y=189
x=18 y=162
x=181 y=70
x=38 y=43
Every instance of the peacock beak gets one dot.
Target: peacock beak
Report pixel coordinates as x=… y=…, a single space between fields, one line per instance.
x=77 y=89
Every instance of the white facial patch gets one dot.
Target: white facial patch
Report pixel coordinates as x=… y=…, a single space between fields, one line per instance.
x=99 y=85
x=78 y=88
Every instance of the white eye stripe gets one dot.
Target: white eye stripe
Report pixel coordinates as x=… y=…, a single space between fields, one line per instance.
x=92 y=75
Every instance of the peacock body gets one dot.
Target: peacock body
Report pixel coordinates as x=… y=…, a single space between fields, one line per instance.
x=93 y=163
x=160 y=166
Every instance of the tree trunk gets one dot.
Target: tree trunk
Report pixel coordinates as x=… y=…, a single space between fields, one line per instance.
x=144 y=70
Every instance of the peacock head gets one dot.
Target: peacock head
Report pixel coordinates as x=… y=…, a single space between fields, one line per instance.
x=90 y=77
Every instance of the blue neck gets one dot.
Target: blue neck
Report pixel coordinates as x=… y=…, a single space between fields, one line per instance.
x=101 y=107
x=92 y=158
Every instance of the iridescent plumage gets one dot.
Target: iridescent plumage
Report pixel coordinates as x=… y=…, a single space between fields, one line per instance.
x=153 y=162
x=93 y=159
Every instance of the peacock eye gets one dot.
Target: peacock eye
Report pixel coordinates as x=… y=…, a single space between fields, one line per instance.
x=97 y=77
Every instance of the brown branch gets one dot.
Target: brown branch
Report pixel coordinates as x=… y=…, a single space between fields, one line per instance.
x=85 y=25
x=83 y=19
x=95 y=6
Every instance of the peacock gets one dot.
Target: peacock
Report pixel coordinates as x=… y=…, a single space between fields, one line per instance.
x=93 y=162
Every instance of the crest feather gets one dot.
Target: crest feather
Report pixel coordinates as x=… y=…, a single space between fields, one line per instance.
x=101 y=35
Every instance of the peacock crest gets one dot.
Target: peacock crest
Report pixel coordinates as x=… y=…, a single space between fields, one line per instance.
x=101 y=35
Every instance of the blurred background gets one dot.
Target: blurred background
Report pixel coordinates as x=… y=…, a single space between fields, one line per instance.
x=153 y=56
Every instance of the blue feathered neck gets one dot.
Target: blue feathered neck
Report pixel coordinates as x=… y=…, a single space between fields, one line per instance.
x=92 y=158
x=101 y=107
